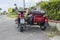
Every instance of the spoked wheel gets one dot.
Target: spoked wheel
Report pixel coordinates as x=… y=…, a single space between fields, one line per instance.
x=21 y=29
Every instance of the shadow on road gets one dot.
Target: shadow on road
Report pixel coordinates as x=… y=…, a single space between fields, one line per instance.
x=32 y=29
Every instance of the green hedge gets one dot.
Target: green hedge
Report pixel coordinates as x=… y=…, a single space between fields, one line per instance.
x=12 y=15
x=52 y=9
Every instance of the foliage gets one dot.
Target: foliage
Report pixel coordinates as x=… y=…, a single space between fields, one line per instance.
x=32 y=7
x=15 y=5
x=0 y=8
x=54 y=0
x=10 y=10
x=20 y=8
x=52 y=9
x=4 y=13
x=12 y=16
x=53 y=32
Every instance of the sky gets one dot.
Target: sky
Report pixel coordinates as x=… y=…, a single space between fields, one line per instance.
x=5 y=4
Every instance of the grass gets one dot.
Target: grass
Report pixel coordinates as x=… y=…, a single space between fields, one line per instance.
x=52 y=32
x=12 y=16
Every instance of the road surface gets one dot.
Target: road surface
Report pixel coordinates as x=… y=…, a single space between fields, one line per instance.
x=8 y=31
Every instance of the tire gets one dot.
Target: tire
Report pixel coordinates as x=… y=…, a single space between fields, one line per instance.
x=43 y=28
x=21 y=29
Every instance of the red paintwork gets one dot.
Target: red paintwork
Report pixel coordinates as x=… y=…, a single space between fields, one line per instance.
x=46 y=19
x=21 y=15
x=38 y=18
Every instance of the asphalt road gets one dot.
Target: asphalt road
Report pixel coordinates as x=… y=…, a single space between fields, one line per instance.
x=8 y=31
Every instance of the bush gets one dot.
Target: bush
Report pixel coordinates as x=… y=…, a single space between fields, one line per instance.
x=12 y=15
x=52 y=9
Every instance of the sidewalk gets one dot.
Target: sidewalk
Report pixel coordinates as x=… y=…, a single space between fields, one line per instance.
x=53 y=23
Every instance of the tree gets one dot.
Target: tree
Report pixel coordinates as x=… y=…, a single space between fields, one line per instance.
x=20 y=8
x=52 y=8
x=16 y=8
x=10 y=10
x=4 y=12
x=54 y=0
x=33 y=7
x=0 y=8
x=15 y=5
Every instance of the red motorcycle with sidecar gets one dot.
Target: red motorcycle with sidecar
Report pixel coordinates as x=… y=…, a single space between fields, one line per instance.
x=34 y=17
